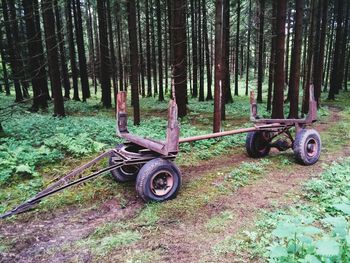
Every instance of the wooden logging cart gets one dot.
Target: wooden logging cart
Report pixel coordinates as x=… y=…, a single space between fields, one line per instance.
x=151 y=163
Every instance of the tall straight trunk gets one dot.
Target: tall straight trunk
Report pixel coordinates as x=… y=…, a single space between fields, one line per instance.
x=153 y=50
x=227 y=96
x=160 y=50
x=119 y=44
x=180 y=54
x=52 y=56
x=201 y=54
x=310 y=57
x=346 y=73
x=294 y=78
x=60 y=38
x=39 y=80
x=141 y=54
x=4 y=67
x=13 y=57
x=248 y=48
x=237 y=47
x=342 y=67
x=81 y=50
x=148 y=52
x=194 y=48
x=329 y=56
x=134 y=59
x=111 y=51
x=321 y=39
x=219 y=64
x=272 y=62
x=104 y=54
x=278 y=97
x=261 y=50
x=16 y=41
x=207 y=52
x=287 y=44
x=71 y=46
x=334 y=78
x=90 y=31
x=166 y=48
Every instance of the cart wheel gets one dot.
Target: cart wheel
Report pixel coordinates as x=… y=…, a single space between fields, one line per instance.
x=158 y=180
x=125 y=173
x=257 y=144
x=307 y=146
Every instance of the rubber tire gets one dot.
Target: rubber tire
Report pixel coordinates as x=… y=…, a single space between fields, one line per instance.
x=251 y=145
x=143 y=180
x=300 y=144
x=118 y=174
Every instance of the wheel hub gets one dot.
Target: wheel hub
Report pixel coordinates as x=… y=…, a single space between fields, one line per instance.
x=162 y=183
x=311 y=147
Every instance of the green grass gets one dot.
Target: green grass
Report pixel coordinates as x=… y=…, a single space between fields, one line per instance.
x=218 y=223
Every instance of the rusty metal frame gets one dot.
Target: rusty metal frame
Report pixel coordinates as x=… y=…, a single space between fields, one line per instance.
x=172 y=141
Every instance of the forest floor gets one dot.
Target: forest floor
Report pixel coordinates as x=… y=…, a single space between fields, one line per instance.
x=222 y=197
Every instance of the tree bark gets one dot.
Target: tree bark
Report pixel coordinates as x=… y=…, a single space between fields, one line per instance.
x=52 y=56
x=160 y=51
x=60 y=38
x=227 y=96
x=153 y=50
x=81 y=50
x=13 y=58
x=104 y=55
x=261 y=50
x=37 y=69
x=141 y=54
x=148 y=53
x=237 y=47
x=207 y=52
x=180 y=54
x=334 y=78
x=4 y=67
x=278 y=97
x=248 y=48
x=71 y=46
x=294 y=78
x=134 y=59
x=219 y=64
x=201 y=54
x=194 y=48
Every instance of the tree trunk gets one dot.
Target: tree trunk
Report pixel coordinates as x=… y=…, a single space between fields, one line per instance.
x=227 y=96
x=71 y=46
x=237 y=46
x=81 y=50
x=329 y=56
x=334 y=78
x=141 y=54
x=219 y=64
x=39 y=81
x=52 y=56
x=134 y=59
x=194 y=48
x=321 y=38
x=207 y=52
x=60 y=38
x=153 y=50
x=248 y=48
x=180 y=54
x=92 y=57
x=13 y=58
x=278 y=97
x=201 y=53
x=272 y=62
x=4 y=67
x=294 y=79
x=148 y=52
x=160 y=51
x=261 y=50
x=119 y=38
x=287 y=44
x=111 y=51
x=342 y=67
x=104 y=55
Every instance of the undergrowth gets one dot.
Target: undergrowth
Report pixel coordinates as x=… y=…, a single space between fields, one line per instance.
x=314 y=230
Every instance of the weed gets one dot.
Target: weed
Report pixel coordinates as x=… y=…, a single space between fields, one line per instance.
x=219 y=222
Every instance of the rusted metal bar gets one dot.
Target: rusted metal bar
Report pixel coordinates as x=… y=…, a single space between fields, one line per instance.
x=217 y=134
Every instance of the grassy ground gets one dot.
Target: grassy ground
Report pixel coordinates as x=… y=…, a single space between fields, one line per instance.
x=227 y=209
